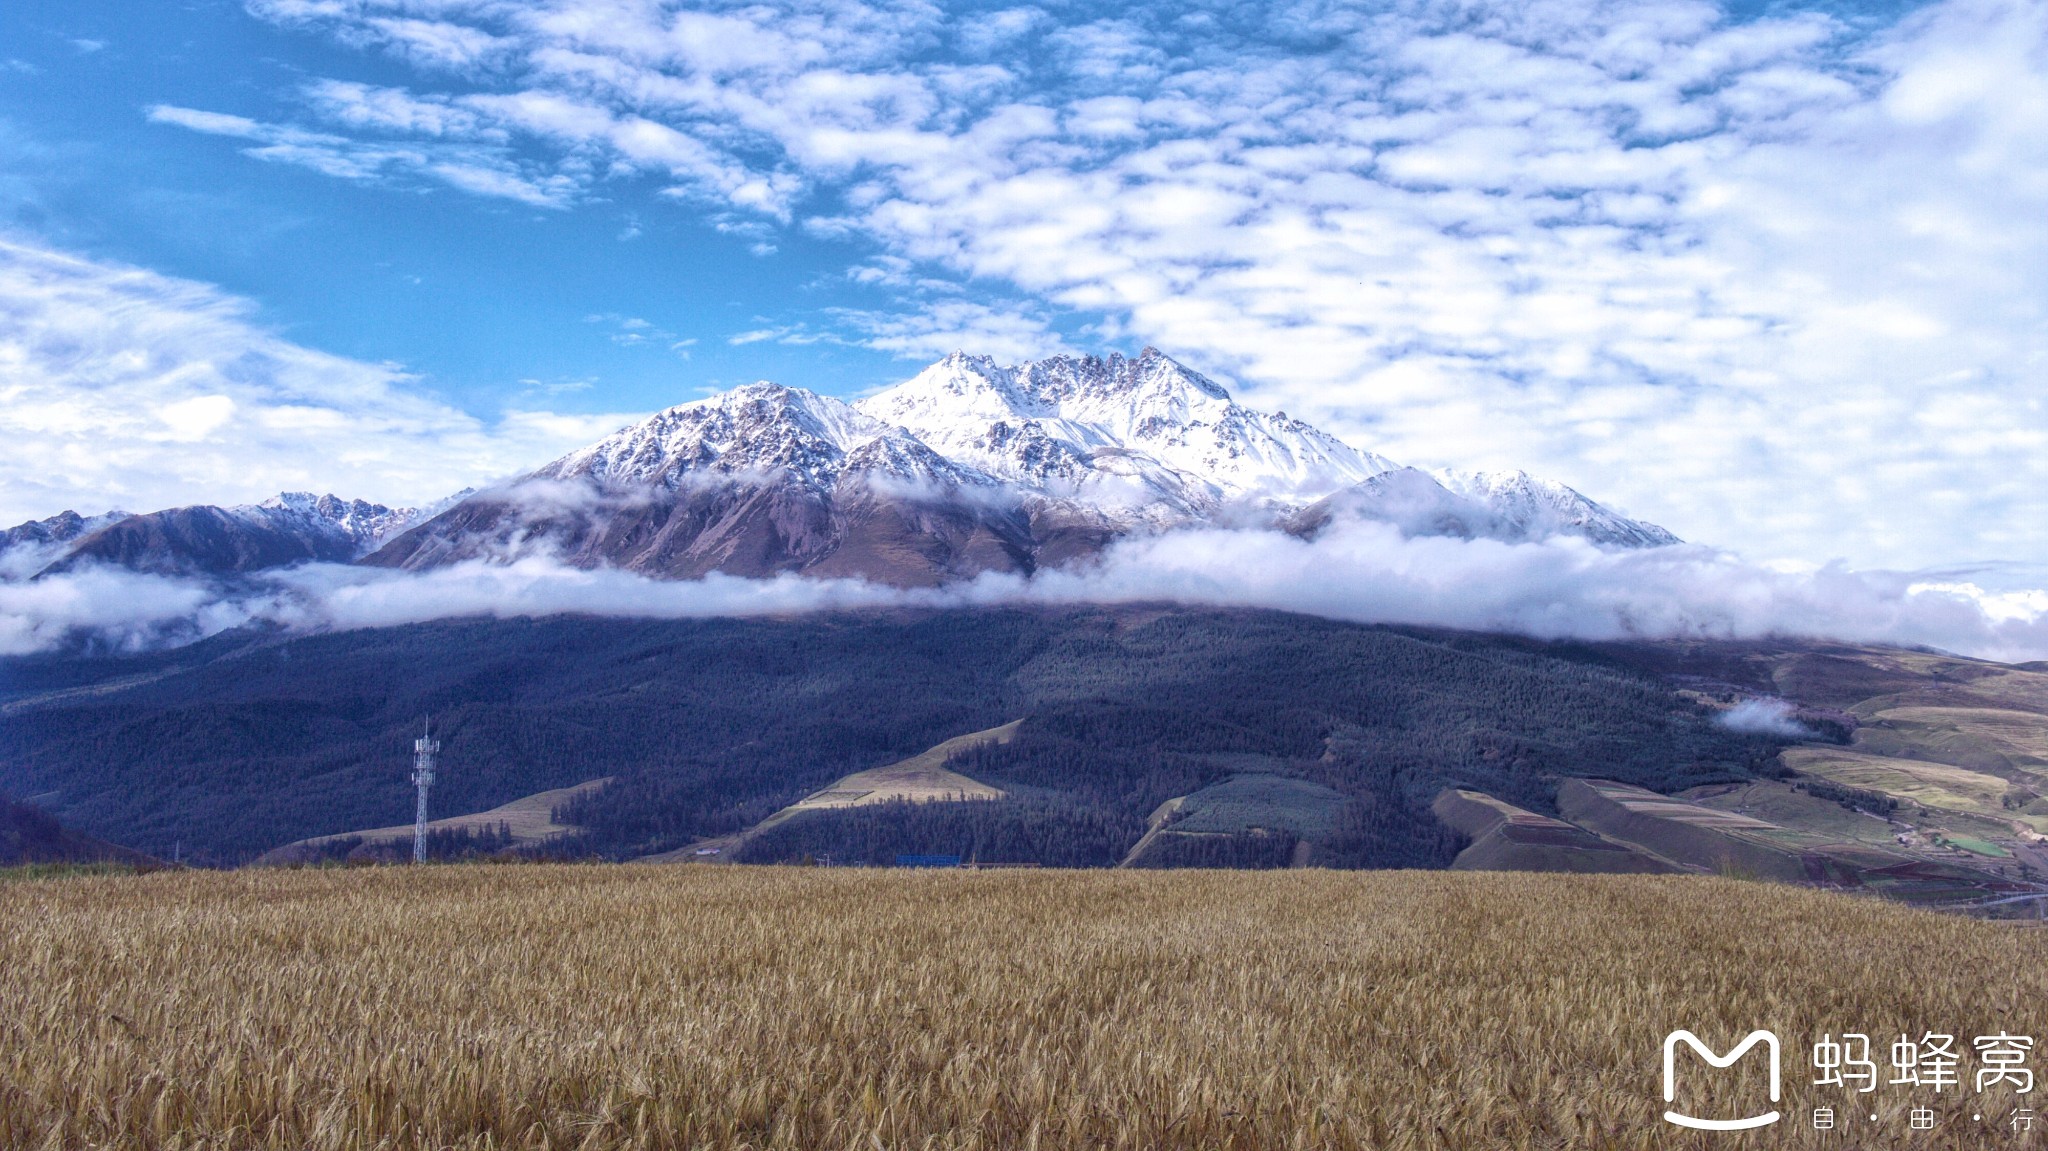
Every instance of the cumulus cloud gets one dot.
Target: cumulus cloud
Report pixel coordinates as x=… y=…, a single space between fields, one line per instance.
x=1775 y=281
x=1560 y=588
x=120 y=387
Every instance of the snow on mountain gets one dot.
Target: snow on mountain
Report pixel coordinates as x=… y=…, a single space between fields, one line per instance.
x=1128 y=433
x=968 y=466
x=1473 y=505
x=362 y=523
x=759 y=430
x=1408 y=498
x=293 y=527
x=1531 y=508
x=759 y=480
x=28 y=548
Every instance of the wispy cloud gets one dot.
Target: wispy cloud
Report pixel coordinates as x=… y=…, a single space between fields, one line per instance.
x=1773 y=281
x=119 y=387
x=633 y=332
x=481 y=170
x=1006 y=332
x=793 y=335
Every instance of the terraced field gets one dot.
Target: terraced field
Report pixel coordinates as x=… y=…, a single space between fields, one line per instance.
x=1507 y=838
x=1922 y=782
x=1960 y=745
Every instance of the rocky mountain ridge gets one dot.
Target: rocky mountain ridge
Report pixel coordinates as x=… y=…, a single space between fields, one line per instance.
x=969 y=466
x=289 y=528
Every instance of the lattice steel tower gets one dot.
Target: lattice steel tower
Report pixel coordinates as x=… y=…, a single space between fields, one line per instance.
x=424 y=749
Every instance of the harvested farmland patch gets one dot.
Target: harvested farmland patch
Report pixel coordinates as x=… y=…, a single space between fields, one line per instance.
x=1254 y=819
x=923 y=778
x=1730 y=843
x=1508 y=838
x=528 y=821
x=1929 y=784
x=1993 y=740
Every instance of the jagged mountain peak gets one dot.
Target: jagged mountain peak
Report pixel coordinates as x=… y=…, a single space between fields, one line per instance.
x=1531 y=507
x=360 y=520
x=1068 y=385
x=763 y=428
x=28 y=548
x=963 y=386
x=61 y=528
x=203 y=539
x=1509 y=506
x=1152 y=378
x=1047 y=423
x=970 y=465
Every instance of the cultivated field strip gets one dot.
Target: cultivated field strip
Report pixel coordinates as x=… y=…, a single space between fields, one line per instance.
x=694 y=1007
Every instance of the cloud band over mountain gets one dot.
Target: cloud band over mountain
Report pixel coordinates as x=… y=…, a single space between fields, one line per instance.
x=1558 y=588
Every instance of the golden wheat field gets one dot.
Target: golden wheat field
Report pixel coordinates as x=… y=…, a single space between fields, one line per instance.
x=685 y=1007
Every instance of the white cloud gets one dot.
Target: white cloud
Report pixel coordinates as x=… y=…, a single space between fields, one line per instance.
x=1775 y=282
x=632 y=331
x=1764 y=717
x=946 y=326
x=438 y=43
x=483 y=169
x=1557 y=589
x=197 y=418
x=369 y=107
x=212 y=123
x=119 y=387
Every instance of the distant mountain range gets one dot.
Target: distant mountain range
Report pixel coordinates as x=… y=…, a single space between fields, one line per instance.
x=968 y=467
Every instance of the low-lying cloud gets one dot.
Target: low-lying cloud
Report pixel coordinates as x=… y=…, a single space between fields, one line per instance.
x=1764 y=717
x=1556 y=589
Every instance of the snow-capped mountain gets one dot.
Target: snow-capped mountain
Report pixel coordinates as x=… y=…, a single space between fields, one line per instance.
x=1141 y=435
x=28 y=548
x=1531 y=508
x=758 y=430
x=758 y=480
x=360 y=522
x=969 y=466
x=293 y=527
x=1473 y=505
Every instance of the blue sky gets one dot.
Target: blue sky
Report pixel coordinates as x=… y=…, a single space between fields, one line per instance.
x=1776 y=277
x=475 y=294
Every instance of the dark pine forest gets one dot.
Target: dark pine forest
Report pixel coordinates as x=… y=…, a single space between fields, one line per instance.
x=248 y=741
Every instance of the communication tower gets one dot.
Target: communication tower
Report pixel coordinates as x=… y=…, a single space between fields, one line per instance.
x=424 y=749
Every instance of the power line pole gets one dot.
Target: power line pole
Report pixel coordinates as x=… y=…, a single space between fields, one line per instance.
x=424 y=749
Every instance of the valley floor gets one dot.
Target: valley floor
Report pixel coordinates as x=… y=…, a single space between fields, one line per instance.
x=615 y=1007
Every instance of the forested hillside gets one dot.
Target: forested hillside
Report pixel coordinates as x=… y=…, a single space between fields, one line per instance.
x=29 y=834
x=248 y=741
